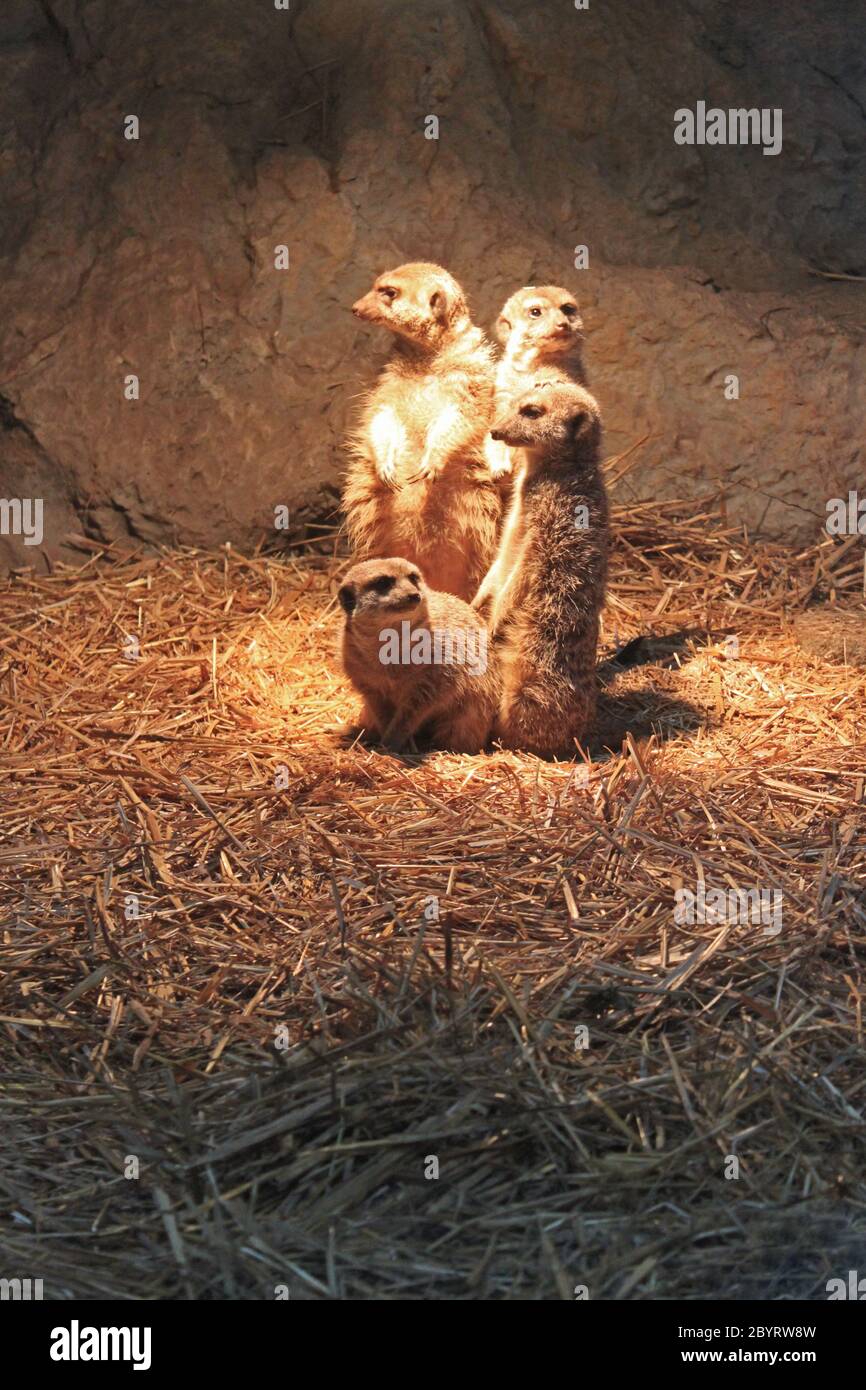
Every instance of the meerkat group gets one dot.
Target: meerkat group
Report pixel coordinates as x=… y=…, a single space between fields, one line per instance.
x=475 y=504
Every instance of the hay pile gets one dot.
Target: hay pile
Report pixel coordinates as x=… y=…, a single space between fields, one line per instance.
x=346 y=964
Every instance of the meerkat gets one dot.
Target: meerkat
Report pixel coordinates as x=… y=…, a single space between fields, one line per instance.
x=419 y=659
x=541 y=331
x=418 y=485
x=543 y=594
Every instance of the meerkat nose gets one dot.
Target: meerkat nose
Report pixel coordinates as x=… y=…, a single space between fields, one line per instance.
x=496 y=434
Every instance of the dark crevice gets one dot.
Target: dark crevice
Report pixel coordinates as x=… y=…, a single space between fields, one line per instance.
x=10 y=421
x=59 y=30
x=842 y=88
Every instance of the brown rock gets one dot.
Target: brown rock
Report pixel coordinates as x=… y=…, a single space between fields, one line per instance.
x=261 y=127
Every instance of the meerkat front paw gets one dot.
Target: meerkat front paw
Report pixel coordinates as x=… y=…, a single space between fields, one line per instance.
x=442 y=437
x=426 y=472
x=398 y=741
x=396 y=736
x=498 y=457
x=388 y=439
x=386 y=472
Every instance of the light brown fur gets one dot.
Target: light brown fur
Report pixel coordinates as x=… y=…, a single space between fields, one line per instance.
x=450 y=704
x=418 y=485
x=544 y=591
x=542 y=335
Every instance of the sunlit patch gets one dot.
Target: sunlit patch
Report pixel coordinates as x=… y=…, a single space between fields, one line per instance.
x=287 y=672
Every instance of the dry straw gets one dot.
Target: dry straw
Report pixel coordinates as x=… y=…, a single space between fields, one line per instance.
x=346 y=964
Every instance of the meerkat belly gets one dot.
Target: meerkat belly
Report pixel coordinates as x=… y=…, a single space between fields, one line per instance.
x=431 y=531
x=449 y=523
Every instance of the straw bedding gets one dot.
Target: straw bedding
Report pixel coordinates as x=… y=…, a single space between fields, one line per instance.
x=347 y=964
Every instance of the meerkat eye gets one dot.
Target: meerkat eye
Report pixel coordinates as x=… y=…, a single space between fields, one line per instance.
x=388 y=293
x=568 y=309
x=414 y=578
x=383 y=583
x=532 y=412
x=535 y=312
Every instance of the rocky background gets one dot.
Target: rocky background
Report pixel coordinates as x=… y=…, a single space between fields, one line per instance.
x=305 y=127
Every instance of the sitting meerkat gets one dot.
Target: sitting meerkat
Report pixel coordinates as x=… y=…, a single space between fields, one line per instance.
x=418 y=485
x=542 y=334
x=544 y=591
x=418 y=657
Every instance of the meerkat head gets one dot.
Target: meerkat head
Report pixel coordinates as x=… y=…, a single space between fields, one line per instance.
x=554 y=417
x=382 y=589
x=419 y=301
x=540 y=318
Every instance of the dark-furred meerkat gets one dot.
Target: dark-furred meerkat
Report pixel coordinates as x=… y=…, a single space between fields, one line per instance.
x=541 y=331
x=543 y=594
x=418 y=657
x=418 y=485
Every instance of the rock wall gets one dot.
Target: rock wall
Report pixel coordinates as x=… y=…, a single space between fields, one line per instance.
x=305 y=127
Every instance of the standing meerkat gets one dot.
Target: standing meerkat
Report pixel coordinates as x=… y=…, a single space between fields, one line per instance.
x=544 y=592
x=541 y=331
x=418 y=657
x=418 y=485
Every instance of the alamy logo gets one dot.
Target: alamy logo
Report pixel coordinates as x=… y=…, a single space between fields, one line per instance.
x=438 y=646
x=846 y=517
x=22 y=516
x=737 y=126
x=77 y=1343
x=20 y=1289
x=740 y=906
x=855 y=1289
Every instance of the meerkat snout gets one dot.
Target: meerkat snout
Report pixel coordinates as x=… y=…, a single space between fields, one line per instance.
x=372 y=306
x=513 y=428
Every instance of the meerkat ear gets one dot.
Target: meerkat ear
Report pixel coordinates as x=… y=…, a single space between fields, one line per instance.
x=348 y=598
x=579 y=423
x=440 y=305
x=503 y=328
